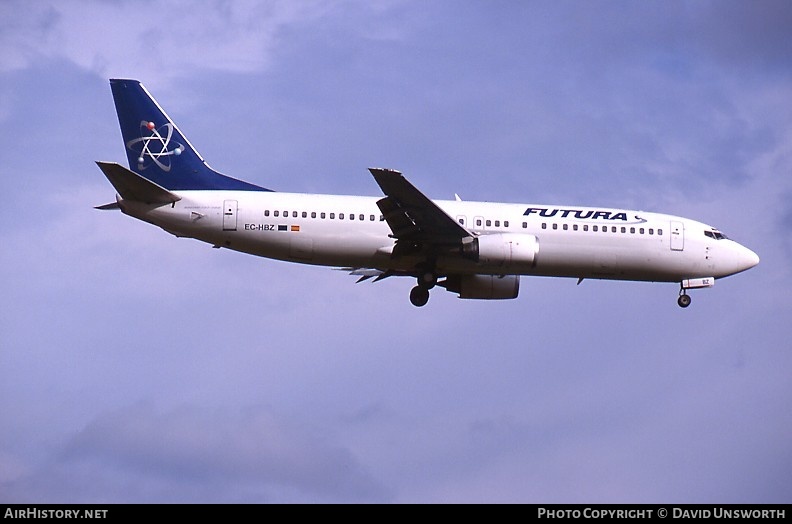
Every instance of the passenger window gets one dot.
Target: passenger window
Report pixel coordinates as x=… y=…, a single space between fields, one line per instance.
x=555 y=226
x=613 y=229
x=322 y=215
x=382 y=218
x=525 y=225
x=351 y=216
x=304 y=214
x=594 y=228
x=624 y=229
x=505 y=223
x=574 y=227
x=585 y=227
x=313 y=214
x=544 y=225
x=332 y=216
x=660 y=232
x=275 y=213
x=266 y=213
x=566 y=227
x=641 y=231
x=489 y=223
x=371 y=218
x=285 y=214
x=478 y=222
x=632 y=230
x=651 y=231
x=362 y=217
x=497 y=223
x=340 y=216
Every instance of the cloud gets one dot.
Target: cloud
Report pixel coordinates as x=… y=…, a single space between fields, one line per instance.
x=147 y=39
x=214 y=455
x=751 y=36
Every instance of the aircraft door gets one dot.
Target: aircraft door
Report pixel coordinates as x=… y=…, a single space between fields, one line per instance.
x=677 y=236
x=229 y=215
x=301 y=248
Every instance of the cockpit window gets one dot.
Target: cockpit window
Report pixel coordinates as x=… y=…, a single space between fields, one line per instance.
x=717 y=235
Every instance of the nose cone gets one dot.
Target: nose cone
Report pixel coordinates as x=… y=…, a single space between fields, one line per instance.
x=750 y=259
x=740 y=258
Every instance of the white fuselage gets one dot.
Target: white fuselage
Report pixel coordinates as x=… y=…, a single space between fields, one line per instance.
x=349 y=231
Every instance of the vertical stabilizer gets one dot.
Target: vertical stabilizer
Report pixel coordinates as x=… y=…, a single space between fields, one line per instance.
x=157 y=150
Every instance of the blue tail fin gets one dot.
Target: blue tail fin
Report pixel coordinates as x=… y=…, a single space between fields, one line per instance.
x=157 y=149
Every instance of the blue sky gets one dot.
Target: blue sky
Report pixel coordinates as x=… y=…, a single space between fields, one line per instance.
x=137 y=367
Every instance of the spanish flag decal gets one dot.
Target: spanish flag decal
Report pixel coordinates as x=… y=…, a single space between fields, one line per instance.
x=295 y=228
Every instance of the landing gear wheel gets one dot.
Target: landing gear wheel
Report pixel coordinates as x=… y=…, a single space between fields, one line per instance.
x=419 y=296
x=683 y=300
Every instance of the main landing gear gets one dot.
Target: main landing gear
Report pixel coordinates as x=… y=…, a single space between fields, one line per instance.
x=419 y=295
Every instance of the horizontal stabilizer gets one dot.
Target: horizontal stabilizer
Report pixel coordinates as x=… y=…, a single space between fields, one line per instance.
x=111 y=205
x=132 y=186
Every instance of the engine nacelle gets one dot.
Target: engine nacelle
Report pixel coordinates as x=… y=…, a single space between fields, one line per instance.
x=504 y=250
x=487 y=287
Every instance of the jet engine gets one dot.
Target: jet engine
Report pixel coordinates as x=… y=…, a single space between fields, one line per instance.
x=484 y=286
x=504 y=250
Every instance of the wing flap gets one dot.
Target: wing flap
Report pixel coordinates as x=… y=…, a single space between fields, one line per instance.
x=400 y=223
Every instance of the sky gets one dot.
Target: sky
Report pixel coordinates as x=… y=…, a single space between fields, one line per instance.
x=138 y=367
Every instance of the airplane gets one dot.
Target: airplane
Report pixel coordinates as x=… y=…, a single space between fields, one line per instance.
x=478 y=250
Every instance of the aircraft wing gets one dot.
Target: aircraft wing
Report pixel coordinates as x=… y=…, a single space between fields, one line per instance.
x=412 y=217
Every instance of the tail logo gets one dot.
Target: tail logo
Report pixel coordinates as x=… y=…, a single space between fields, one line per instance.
x=155 y=144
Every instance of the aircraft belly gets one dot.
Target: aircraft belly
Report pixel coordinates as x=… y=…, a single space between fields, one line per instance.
x=301 y=248
x=350 y=250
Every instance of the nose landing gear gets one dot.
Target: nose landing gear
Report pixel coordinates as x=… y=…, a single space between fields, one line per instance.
x=692 y=283
x=684 y=299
